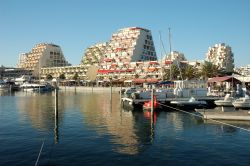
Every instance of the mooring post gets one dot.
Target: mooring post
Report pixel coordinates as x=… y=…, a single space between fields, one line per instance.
x=75 y=87
x=92 y=85
x=120 y=94
x=56 y=115
x=152 y=100
x=10 y=89
x=56 y=100
x=111 y=91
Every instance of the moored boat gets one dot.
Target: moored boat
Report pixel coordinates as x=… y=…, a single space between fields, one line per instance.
x=226 y=102
x=32 y=87
x=4 y=86
x=243 y=102
x=191 y=103
x=147 y=105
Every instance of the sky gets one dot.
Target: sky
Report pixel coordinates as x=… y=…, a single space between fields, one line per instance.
x=75 y=25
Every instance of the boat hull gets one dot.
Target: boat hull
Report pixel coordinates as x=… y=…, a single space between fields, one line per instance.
x=241 y=105
x=223 y=103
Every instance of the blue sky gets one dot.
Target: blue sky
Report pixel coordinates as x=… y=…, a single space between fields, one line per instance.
x=76 y=24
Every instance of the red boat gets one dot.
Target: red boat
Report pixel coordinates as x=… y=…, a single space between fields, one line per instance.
x=147 y=104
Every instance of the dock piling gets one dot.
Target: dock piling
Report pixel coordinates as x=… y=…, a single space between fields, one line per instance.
x=56 y=115
x=152 y=100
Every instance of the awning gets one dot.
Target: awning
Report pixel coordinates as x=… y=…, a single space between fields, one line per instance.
x=168 y=62
x=128 y=81
x=151 y=69
x=223 y=79
x=166 y=83
x=142 y=80
x=103 y=71
x=153 y=62
x=130 y=69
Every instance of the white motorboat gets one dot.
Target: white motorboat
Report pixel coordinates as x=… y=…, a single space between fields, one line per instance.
x=243 y=102
x=226 y=102
x=192 y=102
x=32 y=87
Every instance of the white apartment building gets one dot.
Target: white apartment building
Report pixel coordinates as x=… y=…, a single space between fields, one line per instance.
x=244 y=70
x=127 y=45
x=42 y=55
x=94 y=54
x=222 y=56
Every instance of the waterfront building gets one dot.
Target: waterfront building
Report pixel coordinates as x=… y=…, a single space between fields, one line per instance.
x=12 y=72
x=108 y=70
x=94 y=54
x=67 y=71
x=127 y=45
x=42 y=55
x=222 y=56
x=175 y=56
x=244 y=70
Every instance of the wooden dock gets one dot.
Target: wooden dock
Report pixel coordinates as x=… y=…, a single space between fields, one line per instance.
x=225 y=113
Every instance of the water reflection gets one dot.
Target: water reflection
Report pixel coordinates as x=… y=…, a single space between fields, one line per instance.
x=129 y=130
x=223 y=128
x=39 y=109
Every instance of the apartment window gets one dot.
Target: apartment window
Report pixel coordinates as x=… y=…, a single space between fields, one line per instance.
x=146 y=41
x=51 y=53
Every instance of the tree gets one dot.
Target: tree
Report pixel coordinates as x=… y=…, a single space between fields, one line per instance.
x=137 y=75
x=189 y=72
x=209 y=70
x=62 y=76
x=75 y=77
x=49 y=77
x=175 y=73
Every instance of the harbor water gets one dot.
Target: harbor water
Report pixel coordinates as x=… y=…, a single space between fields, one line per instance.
x=93 y=129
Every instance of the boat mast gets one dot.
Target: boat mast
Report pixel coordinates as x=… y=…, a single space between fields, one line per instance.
x=162 y=49
x=170 y=50
x=161 y=55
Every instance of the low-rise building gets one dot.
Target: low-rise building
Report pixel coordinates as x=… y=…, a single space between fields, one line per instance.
x=12 y=72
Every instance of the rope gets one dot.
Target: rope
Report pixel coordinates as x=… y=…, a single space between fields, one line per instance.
x=38 y=157
x=190 y=113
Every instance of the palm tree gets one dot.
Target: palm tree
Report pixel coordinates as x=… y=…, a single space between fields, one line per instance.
x=189 y=72
x=175 y=72
x=209 y=70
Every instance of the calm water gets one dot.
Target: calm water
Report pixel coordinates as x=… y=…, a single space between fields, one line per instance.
x=91 y=131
